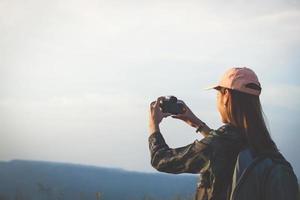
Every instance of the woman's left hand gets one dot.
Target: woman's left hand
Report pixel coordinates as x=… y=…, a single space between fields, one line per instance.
x=189 y=117
x=156 y=115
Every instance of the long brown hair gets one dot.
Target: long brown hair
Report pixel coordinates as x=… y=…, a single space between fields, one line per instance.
x=245 y=112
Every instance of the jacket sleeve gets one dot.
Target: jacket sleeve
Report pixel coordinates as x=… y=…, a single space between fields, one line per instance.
x=187 y=159
x=282 y=184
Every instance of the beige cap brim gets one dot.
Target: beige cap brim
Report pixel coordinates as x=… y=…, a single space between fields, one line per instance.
x=211 y=87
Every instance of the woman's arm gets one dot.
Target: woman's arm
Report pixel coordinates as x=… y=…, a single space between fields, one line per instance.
x=205 y=131
x=156 y=116
x=191 y=119
x=187 y=159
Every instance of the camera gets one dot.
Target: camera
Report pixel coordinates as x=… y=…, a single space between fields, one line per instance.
x=172 y=105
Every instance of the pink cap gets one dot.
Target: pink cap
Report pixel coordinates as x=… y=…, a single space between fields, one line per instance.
x=240 y=79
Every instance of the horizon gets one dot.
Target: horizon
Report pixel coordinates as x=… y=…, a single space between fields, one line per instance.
x=77 y=77
x=91 y=166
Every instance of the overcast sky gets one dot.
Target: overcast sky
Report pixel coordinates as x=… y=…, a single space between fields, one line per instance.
x=77 y=76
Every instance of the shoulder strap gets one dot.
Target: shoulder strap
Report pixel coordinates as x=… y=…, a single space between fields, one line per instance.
x=277 y=159
x=246 y=173
x=265 y=178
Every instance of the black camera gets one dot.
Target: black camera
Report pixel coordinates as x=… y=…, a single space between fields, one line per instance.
x=171 y=105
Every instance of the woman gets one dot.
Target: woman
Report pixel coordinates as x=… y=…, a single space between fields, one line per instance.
x=215 y=157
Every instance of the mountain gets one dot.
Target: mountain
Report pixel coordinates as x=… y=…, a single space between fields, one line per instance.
x=39 y=180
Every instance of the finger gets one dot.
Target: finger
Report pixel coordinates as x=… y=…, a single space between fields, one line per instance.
x=177 y=116
x=185 y=106
x=159 y=99
x=152 y=103
x=166 y=115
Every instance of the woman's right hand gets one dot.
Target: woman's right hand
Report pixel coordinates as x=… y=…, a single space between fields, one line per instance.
x=188 y=116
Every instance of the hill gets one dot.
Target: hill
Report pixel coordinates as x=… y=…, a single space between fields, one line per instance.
x=37 y=180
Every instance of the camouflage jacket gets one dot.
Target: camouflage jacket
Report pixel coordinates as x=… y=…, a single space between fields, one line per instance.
x=213 y=158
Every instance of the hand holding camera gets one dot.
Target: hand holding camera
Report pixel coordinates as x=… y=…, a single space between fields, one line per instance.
x=156 y=115
x=180 y=110
x=170 y=106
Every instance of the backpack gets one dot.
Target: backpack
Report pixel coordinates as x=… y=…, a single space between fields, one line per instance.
x=263 y=166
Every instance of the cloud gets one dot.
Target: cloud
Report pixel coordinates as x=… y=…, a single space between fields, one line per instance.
x=92 y=67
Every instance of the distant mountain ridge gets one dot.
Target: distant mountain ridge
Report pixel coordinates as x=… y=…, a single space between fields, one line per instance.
x=42 y=180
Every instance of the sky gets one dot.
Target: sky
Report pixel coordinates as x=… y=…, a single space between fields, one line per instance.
x=77 y=77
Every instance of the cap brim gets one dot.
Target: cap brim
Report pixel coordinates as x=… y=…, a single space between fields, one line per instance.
x=211 y=87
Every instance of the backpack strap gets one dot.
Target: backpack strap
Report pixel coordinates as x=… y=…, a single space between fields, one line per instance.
x=246 y=173
x=277 y=159
x=265 y=176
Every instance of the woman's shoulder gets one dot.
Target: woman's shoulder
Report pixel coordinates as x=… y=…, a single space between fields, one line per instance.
x=227 y=130
x=226 y=133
